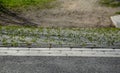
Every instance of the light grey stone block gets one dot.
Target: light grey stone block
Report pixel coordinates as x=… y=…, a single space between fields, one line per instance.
x=112 y=53
x=39 y=54
x=9 y=51
x=50 y=52
x=117 y=50
x=81 y=49
x=116 y=20
x=103 y=50
x=61 y=49
x=3 y=48
x=18 y=49
x=39 y=49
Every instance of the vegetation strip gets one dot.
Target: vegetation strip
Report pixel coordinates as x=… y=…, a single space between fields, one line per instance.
x=26 y=3
x=18 y=36
x=111 y=3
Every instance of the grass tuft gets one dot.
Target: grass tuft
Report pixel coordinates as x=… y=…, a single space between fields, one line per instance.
x=110 y=3
x=117 y=13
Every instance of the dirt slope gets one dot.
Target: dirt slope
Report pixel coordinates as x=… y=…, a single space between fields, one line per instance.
x=72 y=13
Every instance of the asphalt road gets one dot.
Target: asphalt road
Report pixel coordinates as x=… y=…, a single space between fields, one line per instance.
x=59 y=65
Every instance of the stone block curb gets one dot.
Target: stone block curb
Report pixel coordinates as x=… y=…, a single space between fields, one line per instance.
x=82 y=52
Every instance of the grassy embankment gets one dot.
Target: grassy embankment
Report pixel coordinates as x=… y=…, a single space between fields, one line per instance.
x=50 y=37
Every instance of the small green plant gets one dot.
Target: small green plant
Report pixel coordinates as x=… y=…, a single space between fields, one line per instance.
x=84 y=44
x=14 y=44
x=34 y=40
x=4 y=42
x=117 y=13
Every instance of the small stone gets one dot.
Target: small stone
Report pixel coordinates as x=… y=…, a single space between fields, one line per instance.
x=116 y=20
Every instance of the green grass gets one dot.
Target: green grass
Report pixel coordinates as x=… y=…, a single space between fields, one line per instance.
x=110 y=3
x=26 y=3
x=117 y=13
x=71 y=37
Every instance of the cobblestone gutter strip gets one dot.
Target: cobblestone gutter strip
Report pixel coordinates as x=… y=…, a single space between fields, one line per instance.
x=83 y=52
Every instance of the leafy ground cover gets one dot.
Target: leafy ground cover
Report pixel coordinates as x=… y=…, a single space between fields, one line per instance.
x=59 y=37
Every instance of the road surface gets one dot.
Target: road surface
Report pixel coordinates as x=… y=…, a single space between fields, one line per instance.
x=10 y=64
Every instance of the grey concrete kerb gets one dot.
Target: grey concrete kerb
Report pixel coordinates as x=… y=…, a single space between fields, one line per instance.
x=116 y=20
x=85 y=52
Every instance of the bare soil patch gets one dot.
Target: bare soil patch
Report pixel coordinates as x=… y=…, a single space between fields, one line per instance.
x=72 y=13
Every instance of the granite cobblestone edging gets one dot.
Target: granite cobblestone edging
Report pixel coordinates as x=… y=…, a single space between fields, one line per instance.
x=85 y=52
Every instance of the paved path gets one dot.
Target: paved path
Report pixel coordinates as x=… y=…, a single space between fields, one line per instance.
x=59 y=65
x=85 y=52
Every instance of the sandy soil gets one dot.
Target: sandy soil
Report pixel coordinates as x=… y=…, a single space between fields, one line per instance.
x=73 y=13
